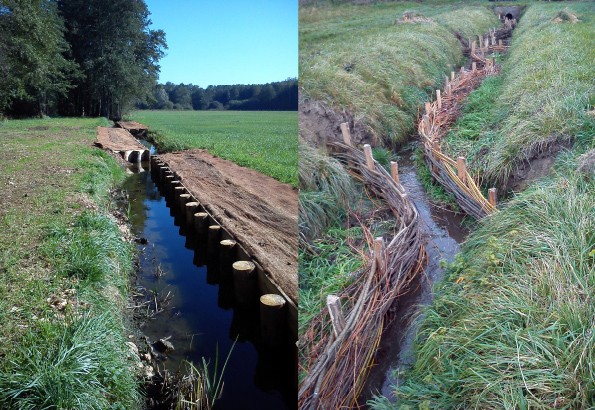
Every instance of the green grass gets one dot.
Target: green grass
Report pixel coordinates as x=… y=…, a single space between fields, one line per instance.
x=541 y=97
x=357 y=58
x=512 y=324
x=57 y=236
x=262 y=140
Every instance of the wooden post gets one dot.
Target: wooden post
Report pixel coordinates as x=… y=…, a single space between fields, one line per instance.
x=346 y=133
x=227 y=256
x=177 y=191
x=492 y=196
x=462 y=169
x=426 y=120
x=394 y=170
x=379 y=252
x=369 y=157
x=190 y=211
x=445 y=82
x=183 y=199
x=448 y=90
x=452 y=76
x=474 y=66
x=473 y=47
x=428 y=107
x=333 y=304
x=272 y=319
x=439 y=99
x=200 y=224
x=245 y=283
x=499 y=43
x=213 y=238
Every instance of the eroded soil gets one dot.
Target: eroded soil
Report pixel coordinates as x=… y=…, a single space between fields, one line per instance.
x=258 y=210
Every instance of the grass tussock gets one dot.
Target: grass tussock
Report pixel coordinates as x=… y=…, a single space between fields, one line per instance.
x=356 y=58
x=326 y=191
x=512 y=325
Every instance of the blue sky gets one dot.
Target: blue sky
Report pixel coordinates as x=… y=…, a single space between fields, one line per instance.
x=227 y=42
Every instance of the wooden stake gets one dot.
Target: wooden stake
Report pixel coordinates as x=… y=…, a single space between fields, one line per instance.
x=473 y=47
x=245 y=283
x=379 y=252
x=183 y=199
x=452 y=76
x=426 y=121
x=272 y=319
x=333 y=304
x=462 y=169
x=213 y=238
x=474 y=66
x=428 y=107
x=492 y=196
x=439 y=99
x=346 y=133
x=227 y=256
x=190 y=211
x=448 y=89
x=445 y=82
x=499 y=43
x=200 y=224
x=177 y=191
x=394 y=170
x=369 y=157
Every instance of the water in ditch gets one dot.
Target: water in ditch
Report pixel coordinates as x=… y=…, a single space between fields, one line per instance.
x=199 y=314
x=444 y=232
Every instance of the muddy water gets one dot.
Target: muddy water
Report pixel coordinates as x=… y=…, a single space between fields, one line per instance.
x=200 y=315
x=443 y=233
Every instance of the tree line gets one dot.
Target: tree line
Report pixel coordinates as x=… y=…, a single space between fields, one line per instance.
x=76 y=57
x=280 y=96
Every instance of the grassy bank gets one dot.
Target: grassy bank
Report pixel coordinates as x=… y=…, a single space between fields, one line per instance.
x=262 y=140
x=358 y=58
x=512 y=324
x=541 y=98
x=65 y=271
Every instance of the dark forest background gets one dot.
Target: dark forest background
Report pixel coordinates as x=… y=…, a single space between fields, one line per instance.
x=279 y=96
x=100 y=58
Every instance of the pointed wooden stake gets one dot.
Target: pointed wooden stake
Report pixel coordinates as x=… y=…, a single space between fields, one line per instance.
x=346 y=133
x=333 y=303
x=439 y=99
x=462 y=169
x=394 y=170
x=369 y=157
x=379 y=252
x=492 y=196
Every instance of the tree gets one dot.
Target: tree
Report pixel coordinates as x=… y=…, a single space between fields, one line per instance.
x=33 y=69
x=117 y=52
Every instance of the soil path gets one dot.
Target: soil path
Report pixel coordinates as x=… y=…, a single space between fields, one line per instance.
x=260 y=211
x=117 y=139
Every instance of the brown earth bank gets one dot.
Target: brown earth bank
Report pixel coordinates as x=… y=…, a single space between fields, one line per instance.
x=258 y=210
x=117 y=139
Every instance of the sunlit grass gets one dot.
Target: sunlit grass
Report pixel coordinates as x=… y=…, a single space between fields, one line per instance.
x=262 y=140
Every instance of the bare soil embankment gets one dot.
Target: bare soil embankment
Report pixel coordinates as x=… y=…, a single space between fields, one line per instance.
x=260 y=211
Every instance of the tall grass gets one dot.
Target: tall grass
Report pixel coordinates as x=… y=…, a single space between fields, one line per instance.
x=357 y=58
x=326 y=190
x=512 y=325
x=74 y=365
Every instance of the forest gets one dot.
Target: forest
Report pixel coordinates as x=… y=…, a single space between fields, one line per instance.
x=275 y=96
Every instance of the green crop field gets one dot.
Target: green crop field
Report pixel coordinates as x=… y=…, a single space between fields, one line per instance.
x=264 y=140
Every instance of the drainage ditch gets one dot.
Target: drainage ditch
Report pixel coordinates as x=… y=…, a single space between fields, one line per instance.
x=184 y=299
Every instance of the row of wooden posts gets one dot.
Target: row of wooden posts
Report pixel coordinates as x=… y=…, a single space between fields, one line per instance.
x=273 y=315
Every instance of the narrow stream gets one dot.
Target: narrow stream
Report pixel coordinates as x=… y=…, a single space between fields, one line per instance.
x=444 y=233
x=199 y=313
